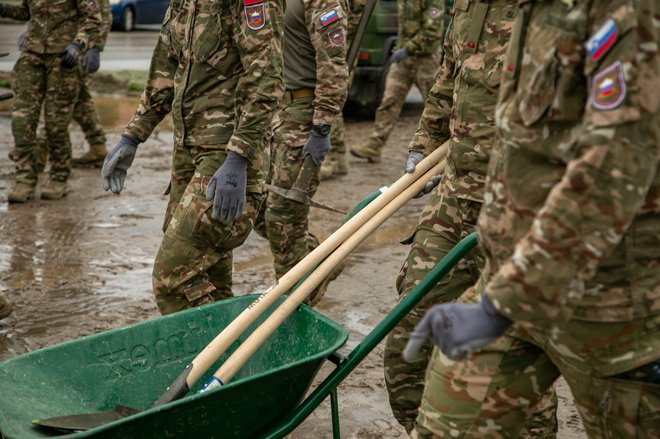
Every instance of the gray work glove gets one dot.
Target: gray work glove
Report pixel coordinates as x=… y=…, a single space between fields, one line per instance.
x=458 y=329
x=317 y=145
x=415 y=157
x=70 y=54
x=117 y=162
x=227 y=188
x=20 y=41
x=399 y=55
x=92 y=60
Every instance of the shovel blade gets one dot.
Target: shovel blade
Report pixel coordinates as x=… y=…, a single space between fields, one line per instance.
x=85 y=421
x=300 y=197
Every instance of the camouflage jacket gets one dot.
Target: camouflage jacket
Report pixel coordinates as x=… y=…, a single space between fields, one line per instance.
x=106 y=23
x=52 y=25
x=420 y=25
x=461 y=103
x=315 y=54
x=571 y=219
x=217 y=67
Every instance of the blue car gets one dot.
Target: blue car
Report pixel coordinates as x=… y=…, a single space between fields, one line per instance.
x=126 y=14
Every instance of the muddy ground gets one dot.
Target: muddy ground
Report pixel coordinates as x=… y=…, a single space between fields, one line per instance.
x=82 y=264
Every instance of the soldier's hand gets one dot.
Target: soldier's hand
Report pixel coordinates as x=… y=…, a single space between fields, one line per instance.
x=318 y=144
x=458 y=329
x=227 y=188
x=92 y=60
x=414 y=157
x=70 y=54
x=399 y=55
x=117 y=162
x=20 y=41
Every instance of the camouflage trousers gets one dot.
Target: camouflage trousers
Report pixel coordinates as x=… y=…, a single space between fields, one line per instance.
x=286 y=224
x=40 y=79
x=444 y=221
x=420 y=71
x=491 y=394
x=85 y=115
x=194 y=262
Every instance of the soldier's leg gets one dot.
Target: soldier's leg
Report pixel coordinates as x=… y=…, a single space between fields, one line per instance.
x=85 y=115
x=63 y=85
x=490 y=395
x=425 y=72
x=29 y=87
x=397 y=84
x=444 y=222
x=335 y=162
x=193 y=264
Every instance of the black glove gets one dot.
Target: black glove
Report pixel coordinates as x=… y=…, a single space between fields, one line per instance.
x=20 y=41
x=318 y=143
x=458 y=329
x=399 y=55
x=117 y=162
x=70 y=54
x=227 y=188
x=92 y=61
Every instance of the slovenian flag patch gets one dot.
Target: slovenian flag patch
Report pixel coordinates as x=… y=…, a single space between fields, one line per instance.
x=603 y=40
x=328 y=18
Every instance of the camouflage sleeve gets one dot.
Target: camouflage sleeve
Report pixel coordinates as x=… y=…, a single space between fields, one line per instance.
x=326 y=22
x=16 y=12
x=433 y=128
x=89 y=21
x=605 y=185
x=261 y=86
x=355 y=10
x=104 y=29
x=156 y=99
x=430 y=31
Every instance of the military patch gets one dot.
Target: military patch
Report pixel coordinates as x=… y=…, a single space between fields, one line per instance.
x=602 y=40
x=434 y=13
x=609 y=88
x=255 y=14
x=328 y=18
x=91 y=4
x=337 y=37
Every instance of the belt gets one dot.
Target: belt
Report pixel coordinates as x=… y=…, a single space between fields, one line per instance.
x=300 y=93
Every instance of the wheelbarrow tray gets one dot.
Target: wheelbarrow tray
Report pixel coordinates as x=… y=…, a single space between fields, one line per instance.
x=132 y=366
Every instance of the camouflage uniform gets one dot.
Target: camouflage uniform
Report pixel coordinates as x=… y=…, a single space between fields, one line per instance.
x=217 y=68
x=571 y=224
x=420 y=27
x=40 y=78
x=460 y=107
x=315 y=75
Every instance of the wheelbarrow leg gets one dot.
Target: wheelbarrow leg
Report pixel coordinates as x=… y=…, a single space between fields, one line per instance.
x=336 y=433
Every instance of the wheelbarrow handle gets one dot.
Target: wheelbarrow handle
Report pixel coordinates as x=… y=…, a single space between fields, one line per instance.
x=210 y=354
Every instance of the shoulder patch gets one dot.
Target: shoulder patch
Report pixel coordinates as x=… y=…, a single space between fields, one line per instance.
x=328 y=18
x=337 y=37
x=609 y=88
x=91 y=4
x=603 y=40
x=434 y=13
x=255 y=13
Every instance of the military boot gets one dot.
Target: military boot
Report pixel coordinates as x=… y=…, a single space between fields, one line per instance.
x=369 y=151
x=21 y=193
x=92 y=158
x=5 y=306
x=333 y=166
x=53 y=190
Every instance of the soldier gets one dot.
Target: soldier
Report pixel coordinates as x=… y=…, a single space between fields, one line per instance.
x=48 y=72
x=415 y=60
x=217 y=67
x=460 y=107
x=316 y=78
x=571 y=229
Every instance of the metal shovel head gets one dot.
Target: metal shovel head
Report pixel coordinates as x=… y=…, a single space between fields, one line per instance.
x=85 y=421
x=300 y=197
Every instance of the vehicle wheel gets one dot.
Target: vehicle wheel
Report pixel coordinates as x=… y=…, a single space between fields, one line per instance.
x=127 y=19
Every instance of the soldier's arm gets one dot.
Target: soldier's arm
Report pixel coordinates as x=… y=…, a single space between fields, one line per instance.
x=430 y=32
x=326 y=23
x=15 y=12
x=433 y=128
x=89 y=21
x=604 y=186
x=156 y=99
x=261 y=86
x=104 y=29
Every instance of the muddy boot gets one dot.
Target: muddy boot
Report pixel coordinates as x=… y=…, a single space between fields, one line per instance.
x=92 y=158
x=369 y=151
x=41 y=154
x=333 y=166
x=315 y=297
x=21 y=193
x=53 y=190
x=5 y=306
